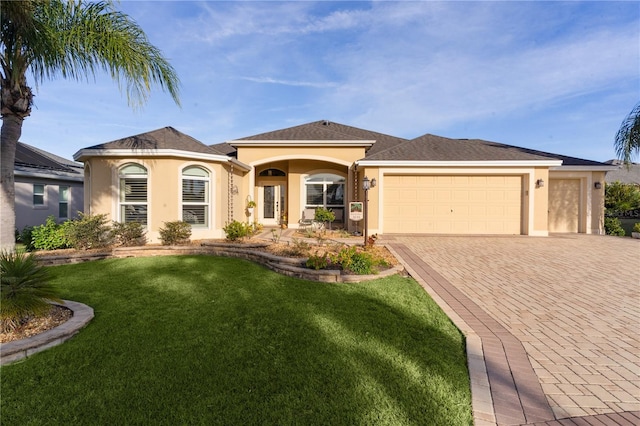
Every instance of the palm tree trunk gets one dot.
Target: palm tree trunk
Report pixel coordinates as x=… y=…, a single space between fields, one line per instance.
x=9 y=136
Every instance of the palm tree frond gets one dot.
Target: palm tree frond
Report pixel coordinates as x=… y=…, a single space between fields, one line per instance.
x=627 y=141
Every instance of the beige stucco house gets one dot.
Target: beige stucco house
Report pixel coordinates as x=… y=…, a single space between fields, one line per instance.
x=427 y=185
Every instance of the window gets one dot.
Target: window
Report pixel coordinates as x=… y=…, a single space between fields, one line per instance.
x=63 y=202
x=38 y=194
x=195 y=196
x=133 y=194
x=325 y=190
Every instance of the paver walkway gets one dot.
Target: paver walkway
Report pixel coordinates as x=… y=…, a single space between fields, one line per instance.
x=558 y=319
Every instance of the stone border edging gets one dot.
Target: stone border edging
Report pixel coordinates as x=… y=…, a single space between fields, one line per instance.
x=289 y=266
x=481 y=398
x=20 y=349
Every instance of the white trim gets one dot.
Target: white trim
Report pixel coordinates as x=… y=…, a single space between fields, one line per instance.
x=83 y=153
x=274 y=143
x=583 y=168
x=510 y=163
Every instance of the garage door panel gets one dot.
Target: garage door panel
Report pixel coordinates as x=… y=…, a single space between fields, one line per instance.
x=458 y=204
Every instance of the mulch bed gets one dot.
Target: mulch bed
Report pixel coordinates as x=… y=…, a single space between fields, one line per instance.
x=32 y=326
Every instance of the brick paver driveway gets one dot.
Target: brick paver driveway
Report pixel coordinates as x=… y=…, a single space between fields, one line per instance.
x=572 y=302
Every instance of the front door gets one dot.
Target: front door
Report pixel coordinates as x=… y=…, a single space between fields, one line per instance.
x=272 y=204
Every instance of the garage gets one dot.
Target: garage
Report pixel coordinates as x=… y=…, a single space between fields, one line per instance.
x=452 y=204
x=564 y=205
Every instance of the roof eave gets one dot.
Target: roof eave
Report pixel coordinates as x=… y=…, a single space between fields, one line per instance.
x=84 y=154
x=311 y=143
x=603 y=168
x=494 y=163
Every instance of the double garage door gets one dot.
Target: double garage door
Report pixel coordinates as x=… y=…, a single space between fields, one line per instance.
x=452 y=204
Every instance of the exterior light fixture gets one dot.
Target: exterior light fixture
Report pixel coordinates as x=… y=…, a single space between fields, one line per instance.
x=597 y=185
x=539 y=183
x=367 y=185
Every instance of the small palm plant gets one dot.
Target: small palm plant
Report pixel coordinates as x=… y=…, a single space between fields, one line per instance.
x=24 y=291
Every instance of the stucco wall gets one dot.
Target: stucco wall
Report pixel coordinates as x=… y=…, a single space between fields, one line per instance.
x=164 y=192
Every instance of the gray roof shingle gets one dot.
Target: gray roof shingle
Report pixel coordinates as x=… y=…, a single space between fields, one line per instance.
x=164 y=138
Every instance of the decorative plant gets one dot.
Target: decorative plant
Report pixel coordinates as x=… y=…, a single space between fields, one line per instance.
x=24 y=290
x=613 y=226
x=175 y=233
x=324 y=215
x=237 y=230
x=251 y=204
x=636 y=227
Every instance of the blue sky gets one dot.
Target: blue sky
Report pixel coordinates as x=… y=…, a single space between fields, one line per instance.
x=554 y=76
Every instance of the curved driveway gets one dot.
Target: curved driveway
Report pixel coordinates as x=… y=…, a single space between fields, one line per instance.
x=558 y=319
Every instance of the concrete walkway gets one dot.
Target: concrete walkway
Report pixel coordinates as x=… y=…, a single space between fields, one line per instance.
x=551 y=323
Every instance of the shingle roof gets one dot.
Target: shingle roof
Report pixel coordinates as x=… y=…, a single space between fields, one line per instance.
x=164 y=138
x=623 y=173
x=30 y=158
x=437 y=148
x=325 y=130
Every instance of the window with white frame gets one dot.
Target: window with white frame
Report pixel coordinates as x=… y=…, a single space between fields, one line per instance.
x=38 y=194
x=133 y=194
x=324 y=190
x=195 y=196
x=63 y=202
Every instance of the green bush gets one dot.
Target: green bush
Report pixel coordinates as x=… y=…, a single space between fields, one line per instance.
x=89 y=232
x=621 y=197
x=353 y=260
x=175 y=233
x=26 y=237
x=50 y=235
x=24 y=289
x=129 y=233
x=324 y=215
x=237 y=230
x=636 y=227
x=613 y=226
x=316 y=261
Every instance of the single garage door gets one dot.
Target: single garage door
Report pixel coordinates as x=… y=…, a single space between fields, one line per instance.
x=564 y=205
x=452 y=204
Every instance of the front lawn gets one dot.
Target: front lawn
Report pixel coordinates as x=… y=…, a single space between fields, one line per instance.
x=208 y=340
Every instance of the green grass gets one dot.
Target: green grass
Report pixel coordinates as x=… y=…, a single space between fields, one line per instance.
x=206 y=340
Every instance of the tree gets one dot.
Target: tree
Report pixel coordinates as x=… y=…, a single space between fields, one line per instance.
x=627 y=142
x=68 y=39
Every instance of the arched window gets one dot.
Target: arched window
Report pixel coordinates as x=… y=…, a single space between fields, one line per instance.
x=133 y=193
x=195 y=196
x=324 y=190
x=272 y=172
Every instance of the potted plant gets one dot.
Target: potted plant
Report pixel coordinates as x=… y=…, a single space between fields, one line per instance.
x=283 y=221
x=250 y=206
x=636 y=230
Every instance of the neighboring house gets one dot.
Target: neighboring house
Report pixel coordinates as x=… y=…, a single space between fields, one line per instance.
x=624 y=174
x=427 y=185
x=46 y=185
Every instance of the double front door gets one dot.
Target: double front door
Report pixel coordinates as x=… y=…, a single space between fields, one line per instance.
x=272 y=204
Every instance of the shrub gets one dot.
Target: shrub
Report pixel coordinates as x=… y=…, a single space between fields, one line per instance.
x=24 y=289
x=26 y=237
x=300 y=247
x=175 y=233
x=324 y=215
x=355 y=261
x=129 y=233
x=89 y=231
x=613 y=226
x=316 y=261
x=636 y=227
x=237 y=230
x=50 y=235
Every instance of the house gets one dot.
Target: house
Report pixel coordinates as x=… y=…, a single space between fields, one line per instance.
x=627 y=174
x=46 y=185
x=427 y=185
